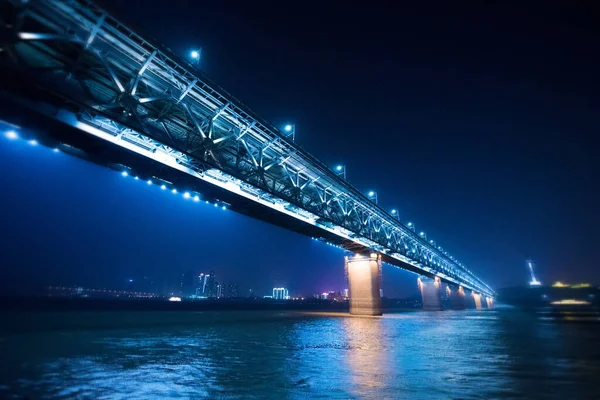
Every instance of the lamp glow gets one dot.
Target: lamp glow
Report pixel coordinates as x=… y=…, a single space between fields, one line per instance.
x=124 y=173
x=174 y=191
x=196 y=198
x=288 y=128
x=186 y=195
x=163 y=187
x=12 y=135
x=149 y=182
x=195 y=54
x=33 y=142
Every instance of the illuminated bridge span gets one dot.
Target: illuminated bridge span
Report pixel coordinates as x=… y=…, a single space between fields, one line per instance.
x=129 y=102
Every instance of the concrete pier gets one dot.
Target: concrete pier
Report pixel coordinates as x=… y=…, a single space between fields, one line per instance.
x=489 y=301
x=477 y=299
x=364 y=283
x=431 y=293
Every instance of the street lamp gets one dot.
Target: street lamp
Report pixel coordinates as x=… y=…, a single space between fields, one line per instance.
x=394 y=213
x=373 y=195
x=423 y=235
x=340 y=170
x=411 y=226
x=196 y=55
x=290 y=131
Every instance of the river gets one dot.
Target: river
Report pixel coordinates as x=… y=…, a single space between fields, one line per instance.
x=294 y=355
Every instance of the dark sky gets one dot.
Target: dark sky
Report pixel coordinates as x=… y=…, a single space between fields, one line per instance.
x=475 y=120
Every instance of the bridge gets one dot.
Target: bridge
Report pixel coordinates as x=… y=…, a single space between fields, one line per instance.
x=86 y=82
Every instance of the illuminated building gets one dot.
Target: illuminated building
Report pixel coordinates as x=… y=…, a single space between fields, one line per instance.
x=280 y=293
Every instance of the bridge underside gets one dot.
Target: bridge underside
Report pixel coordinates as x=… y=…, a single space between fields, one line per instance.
x=53 y=133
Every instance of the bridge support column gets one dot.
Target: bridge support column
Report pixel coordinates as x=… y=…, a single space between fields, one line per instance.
x=457 y=298
x=363 y=273
x=431 y=293
x=477 y=300
x=489 y=302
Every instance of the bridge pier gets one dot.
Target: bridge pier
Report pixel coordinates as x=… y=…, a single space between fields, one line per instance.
x=477 y=300
x=364 y=283
x=457 y=298
x=431 y=293
x=489 y=302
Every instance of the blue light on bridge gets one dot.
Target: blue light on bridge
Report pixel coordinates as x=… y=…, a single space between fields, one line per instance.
x=149 y=182
x=338 y=168
x=12 y=135
x=56 y=150
x=163 y=187
x=288 y=128
x=195 y=54
x=33 y=142
x=186 y=195
x=196 y=198
x=124 y=173
x=174 y=191
x=136 y=178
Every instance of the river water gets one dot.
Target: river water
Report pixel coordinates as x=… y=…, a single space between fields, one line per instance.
x=292 y=355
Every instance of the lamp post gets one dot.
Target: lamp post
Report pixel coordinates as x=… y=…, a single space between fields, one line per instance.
x=290 y=131
x=394 y=213
x=373 y=196
x=340 y=170
x=196 y=55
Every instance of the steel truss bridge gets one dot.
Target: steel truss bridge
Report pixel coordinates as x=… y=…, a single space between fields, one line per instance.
x=104 y=85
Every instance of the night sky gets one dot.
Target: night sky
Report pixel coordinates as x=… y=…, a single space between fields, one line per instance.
x=476 y=121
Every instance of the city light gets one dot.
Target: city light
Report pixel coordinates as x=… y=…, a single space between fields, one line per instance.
x=33 y=142
x=12 y=135
x=174 y=298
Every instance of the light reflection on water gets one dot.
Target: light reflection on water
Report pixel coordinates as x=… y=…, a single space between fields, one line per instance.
x=438 y=355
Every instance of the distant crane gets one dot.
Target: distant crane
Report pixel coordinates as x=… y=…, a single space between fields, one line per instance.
x=533 y=282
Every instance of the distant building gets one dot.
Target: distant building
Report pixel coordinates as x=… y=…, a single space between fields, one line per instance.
x=186 y=284
x=232 y=291
x=207 y=286
x=281 y=293
x=220 y=290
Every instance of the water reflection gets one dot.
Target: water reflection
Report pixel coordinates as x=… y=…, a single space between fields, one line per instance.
x=367 y=361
